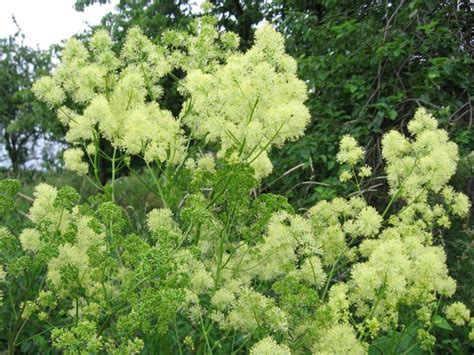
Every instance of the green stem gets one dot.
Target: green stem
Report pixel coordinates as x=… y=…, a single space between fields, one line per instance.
x=399 y=191
x=177 y=336
x=333 y=269
x=356 y=180
x=264 y=147
x=158 y=185
x=113 y=174
x=205 y=336
x=392 y=200
x=380 y=293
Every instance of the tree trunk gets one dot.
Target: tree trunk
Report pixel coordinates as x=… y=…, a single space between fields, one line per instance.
x=14 y=155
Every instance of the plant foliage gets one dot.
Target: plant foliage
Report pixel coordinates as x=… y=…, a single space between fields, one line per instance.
x=217 y=267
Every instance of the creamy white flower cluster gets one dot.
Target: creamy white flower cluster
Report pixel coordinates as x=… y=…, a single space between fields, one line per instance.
x=360 y=262
x=336 y=277
x=351 y=154
x=60 y=223
x=115 y=97
x=423 y=164
x=253 y=102
x=245 y=102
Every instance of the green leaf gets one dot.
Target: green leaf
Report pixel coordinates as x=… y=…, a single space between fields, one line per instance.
x=441 y=322
x=392 y=114
x=351 y=87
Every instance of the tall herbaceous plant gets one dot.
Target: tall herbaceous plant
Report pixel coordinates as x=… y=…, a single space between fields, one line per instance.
x=216 y=267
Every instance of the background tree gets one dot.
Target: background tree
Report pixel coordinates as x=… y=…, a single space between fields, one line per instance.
x=153 y=17
x=240 y=16
x=368 y=65
x=23 y=119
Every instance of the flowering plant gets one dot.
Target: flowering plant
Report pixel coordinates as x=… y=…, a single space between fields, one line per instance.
x=215 y=267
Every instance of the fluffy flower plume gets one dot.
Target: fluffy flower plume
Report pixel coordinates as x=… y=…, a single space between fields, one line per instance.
x=251 y=103
x=73 y=159
x=268 y=346
x=458 y=313
x=423 y=164
x=120 y=107
x=349 y=151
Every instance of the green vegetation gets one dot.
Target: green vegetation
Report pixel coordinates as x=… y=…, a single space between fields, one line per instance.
x=226 y=188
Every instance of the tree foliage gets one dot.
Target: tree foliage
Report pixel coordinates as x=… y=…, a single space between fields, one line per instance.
x=368 y=66
x=240 y=16
x=153 y=17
